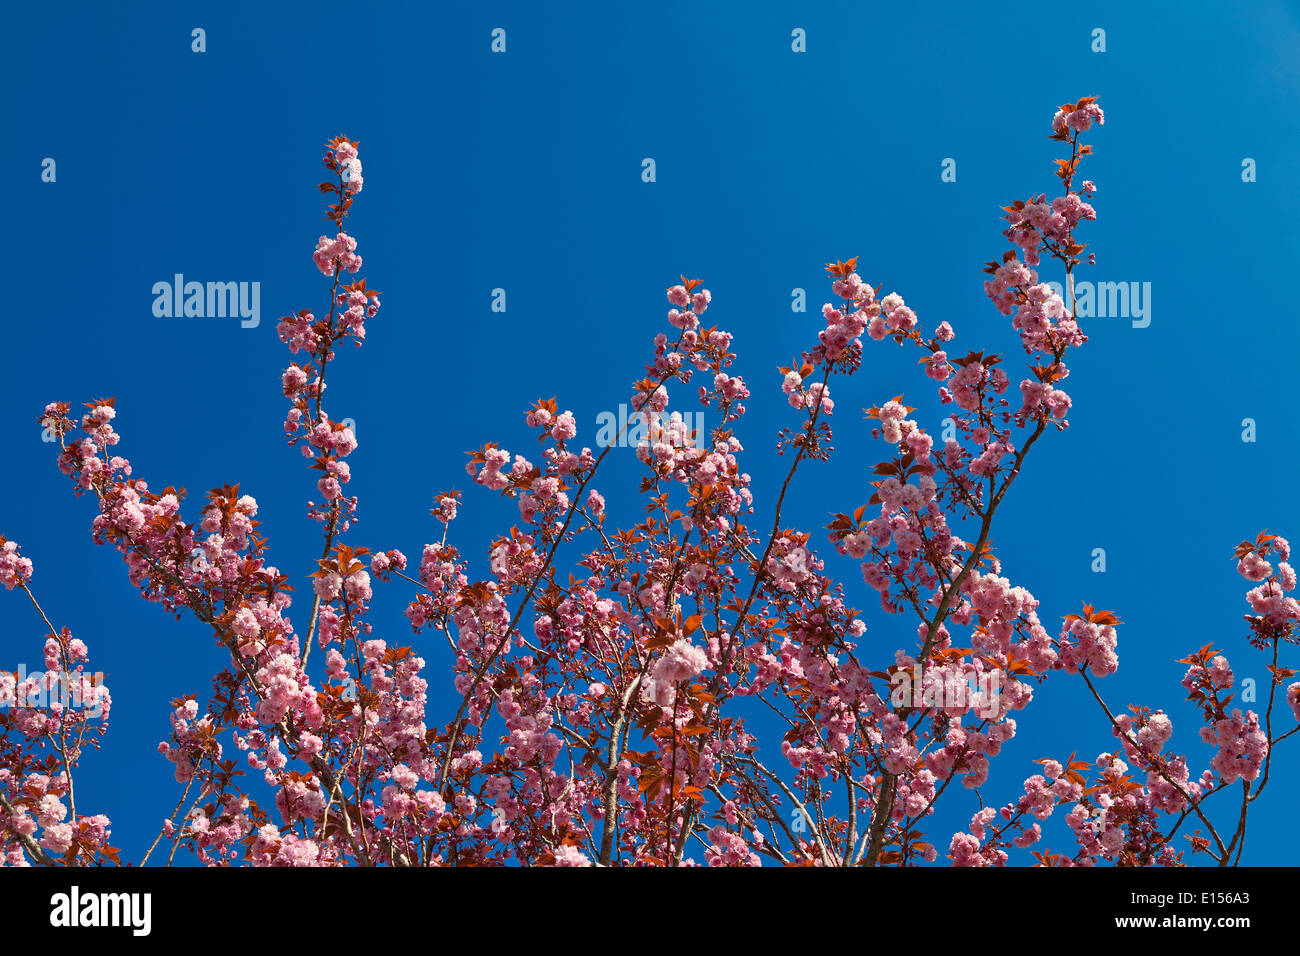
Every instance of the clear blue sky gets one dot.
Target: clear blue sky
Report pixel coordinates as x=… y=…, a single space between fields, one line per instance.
x=522 y=171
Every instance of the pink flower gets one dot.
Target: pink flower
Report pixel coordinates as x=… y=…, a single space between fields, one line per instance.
x=1253 y=567
x=681 y=661
x=564 y=427
x=965 y=851
x=351 y=176
x=1242 y=746
x=1081 y=119
x=245 y=624
x=357 y=586
x=569 y=855
x=293 y=379
x=328 y=586
x=15 y=571
x=337 y=254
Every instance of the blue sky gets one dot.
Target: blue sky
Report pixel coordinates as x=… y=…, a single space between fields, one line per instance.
x=522 y=171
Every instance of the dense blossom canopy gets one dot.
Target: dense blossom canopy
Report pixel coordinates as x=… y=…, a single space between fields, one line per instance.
x=607 y=715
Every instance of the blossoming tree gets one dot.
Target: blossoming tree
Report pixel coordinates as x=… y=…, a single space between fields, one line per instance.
x=613 y=713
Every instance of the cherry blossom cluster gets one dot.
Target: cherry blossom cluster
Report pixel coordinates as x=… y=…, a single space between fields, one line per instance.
x=48 y=719
x=614 y=678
